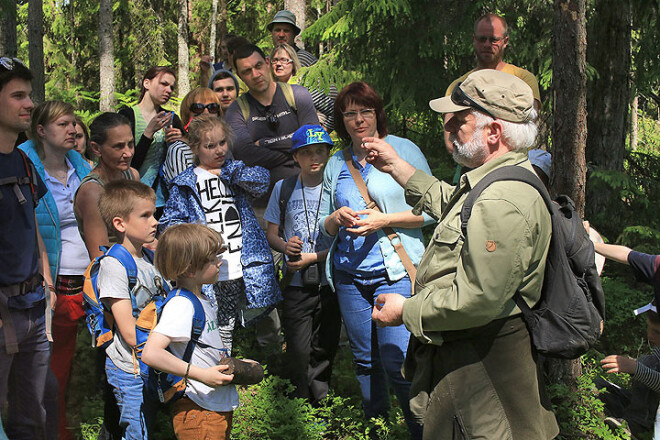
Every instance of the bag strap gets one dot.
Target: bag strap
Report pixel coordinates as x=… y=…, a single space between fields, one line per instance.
x=287 y=90
x=126 y=259
x=287 y=188
x=198 y=323
x=509 y=172
x=244 y=105
x=371 y=204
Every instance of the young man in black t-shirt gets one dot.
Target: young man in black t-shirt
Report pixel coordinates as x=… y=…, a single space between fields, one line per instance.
x=24 y=348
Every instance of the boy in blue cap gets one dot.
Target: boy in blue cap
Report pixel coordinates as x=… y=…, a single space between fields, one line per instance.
x=311 y=318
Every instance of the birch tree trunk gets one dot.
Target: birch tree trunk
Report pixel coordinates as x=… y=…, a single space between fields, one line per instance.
x=299 y=9
x=8 y=45
x=106 y=57
x=183 y=57
x=36 y=49
x=569 y=84
x=213 y=43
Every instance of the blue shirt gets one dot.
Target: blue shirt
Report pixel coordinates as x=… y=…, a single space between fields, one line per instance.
x=355 y=254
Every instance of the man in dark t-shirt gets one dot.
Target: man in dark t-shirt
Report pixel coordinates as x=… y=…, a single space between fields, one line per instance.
x=24 y=348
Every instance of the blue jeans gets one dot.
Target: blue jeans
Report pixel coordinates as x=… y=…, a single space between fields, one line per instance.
x=135 y=417
x=23 y=374
x=378 y=353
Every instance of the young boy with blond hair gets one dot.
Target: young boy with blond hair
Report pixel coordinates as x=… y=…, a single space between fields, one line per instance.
x=190 y=255
x=128 y=208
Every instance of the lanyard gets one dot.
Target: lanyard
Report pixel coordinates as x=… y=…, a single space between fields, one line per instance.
x=309 y=229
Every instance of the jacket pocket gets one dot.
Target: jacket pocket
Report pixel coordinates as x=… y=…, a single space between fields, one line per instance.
x=440 y=257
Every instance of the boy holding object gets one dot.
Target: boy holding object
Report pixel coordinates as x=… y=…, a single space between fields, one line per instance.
x=190 y=254
x=311 y=317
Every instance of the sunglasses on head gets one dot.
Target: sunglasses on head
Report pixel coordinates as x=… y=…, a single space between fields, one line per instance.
x=459 y=97
x=9 y=64
x=198 y=108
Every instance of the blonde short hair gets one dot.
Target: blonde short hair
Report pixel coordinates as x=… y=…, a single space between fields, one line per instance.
x=186 y=248
x=118 y=198
x=203 y=124
x=44 y=114
x=196 y=95
x=289 y=51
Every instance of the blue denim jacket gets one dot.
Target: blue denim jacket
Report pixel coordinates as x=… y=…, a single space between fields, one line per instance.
x=412 y=239
x=184 y=206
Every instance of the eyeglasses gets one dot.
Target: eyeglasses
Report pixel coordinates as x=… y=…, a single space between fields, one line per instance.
x=285 y=61
x=459 y=97
x=198 y=108
x=10 y=63
x=272 y=119
x=492 y=40
x=366 y=113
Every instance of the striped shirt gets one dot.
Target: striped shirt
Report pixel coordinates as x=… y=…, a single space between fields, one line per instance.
x=324 y=106
x=179 y=157
x=306 y=58
x=648 y=376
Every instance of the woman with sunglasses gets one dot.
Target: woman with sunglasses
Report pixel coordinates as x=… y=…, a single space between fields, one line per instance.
x=285 y=64
x=362 y=262
x=199 y=101
x=154 y=128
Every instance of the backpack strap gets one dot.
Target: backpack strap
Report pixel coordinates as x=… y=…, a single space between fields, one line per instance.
x=126 y=259
x=391 y=233
x=511 y=172
x=244 y=106
x=287 y=188
x=199 y=320
x=288 y=95
x=29 y=179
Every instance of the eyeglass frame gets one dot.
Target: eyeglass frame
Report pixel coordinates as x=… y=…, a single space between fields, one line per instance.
x=197 y=108
x=459 y=97
x=284 y=61
x=366 y=113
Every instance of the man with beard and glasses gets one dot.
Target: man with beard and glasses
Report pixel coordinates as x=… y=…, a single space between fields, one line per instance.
x=490 y=38
x=472 y=366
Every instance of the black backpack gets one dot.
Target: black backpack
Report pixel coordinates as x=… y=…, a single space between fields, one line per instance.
x=568 y=318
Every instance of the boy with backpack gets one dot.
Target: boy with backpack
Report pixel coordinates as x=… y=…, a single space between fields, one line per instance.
x=311 y=318
x=128 y=208
x=190 y=255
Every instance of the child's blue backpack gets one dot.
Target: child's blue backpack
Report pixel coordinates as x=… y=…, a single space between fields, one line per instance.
x=99 y=320
x=158 y=385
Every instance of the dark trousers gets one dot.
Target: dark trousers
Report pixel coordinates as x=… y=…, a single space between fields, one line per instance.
x=312 y=323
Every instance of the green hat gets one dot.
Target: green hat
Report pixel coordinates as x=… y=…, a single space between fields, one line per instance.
x=497 y=94
x=284 y=16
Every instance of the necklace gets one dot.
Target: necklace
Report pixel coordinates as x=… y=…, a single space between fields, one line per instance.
x=309 y=229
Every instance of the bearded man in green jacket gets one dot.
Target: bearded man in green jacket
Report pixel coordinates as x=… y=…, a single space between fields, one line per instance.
x=473 y=369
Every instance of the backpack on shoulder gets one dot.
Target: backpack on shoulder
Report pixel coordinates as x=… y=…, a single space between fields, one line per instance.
x=100 y=322
x=29 y=179
x=160 y=386
x=568 y=318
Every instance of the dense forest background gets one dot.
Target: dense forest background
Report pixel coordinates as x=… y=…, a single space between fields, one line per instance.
x=597 y=62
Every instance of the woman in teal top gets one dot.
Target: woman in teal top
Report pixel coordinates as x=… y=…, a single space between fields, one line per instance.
x=363 y=260
x=154 y=128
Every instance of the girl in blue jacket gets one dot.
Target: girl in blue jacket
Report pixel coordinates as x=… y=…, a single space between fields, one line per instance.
x=218 y=191
x=53 y=133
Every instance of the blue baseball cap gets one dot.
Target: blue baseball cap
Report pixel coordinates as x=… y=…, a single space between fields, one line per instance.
x=308 y=135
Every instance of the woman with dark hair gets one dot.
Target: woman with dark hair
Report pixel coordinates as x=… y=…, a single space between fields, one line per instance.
x=153 y=127
x=51 y=149
x=112 y=142
x=363 y=261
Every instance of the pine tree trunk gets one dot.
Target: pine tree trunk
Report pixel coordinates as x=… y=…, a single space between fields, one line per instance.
x=299 y=9
x=214 y=26
x=569 y=83
x=182 y=42
x=609 y=96
x=106 y=57
x=36 y=49
x=8 y=43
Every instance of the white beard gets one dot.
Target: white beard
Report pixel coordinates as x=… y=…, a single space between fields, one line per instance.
x=471 y=153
